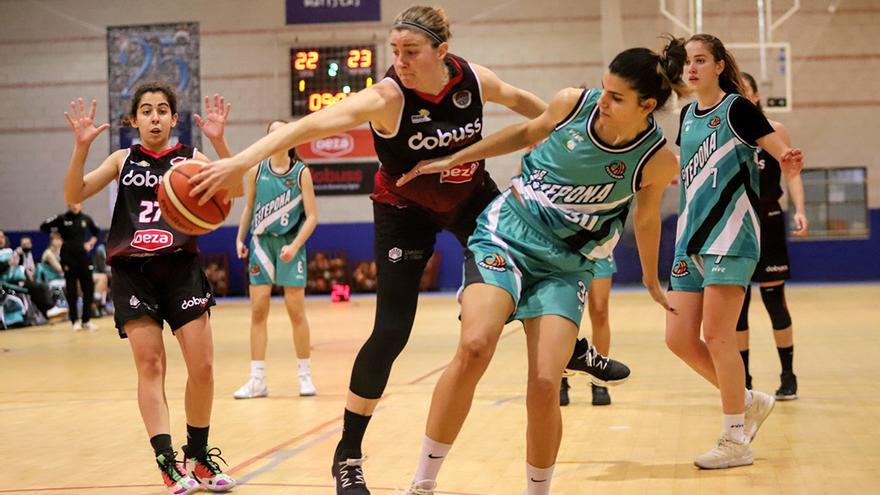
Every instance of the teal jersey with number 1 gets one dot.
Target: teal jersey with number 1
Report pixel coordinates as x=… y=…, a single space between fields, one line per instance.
x=278 y=207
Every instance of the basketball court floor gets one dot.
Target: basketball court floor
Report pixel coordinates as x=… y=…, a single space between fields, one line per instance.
x=69 y=420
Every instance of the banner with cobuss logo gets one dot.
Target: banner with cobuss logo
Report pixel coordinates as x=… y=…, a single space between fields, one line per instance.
x=342 y=164
x=313 y=11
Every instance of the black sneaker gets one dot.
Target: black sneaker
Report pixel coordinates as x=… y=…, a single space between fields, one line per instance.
x=600 y=395
x=788 y=388
x=602 y=370
x=563 y=392
x=348 y=473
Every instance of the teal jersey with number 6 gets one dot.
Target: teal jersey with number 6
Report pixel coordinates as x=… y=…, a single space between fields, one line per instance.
x=278 y=207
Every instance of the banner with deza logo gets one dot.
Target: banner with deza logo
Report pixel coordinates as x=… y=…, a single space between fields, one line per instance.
x=342 y=164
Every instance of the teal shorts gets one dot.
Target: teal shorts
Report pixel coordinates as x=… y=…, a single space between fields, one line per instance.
x=509 y=249
x=604 y=268
x=693 y=273
x=266 y=267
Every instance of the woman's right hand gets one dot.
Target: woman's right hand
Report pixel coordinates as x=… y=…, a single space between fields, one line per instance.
x=83 y=124
x=241 y=249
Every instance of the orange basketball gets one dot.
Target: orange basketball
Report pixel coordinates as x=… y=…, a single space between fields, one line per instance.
x=182 y=212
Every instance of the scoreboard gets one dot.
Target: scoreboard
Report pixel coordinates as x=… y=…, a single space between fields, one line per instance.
x=322 y=76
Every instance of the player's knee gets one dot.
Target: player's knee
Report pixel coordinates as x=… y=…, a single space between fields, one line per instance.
x=259 y=311
x=543 y=389
x=151 y=367
x=774 y=301
x=201 y=372
x=476 y=350
x=679 y=344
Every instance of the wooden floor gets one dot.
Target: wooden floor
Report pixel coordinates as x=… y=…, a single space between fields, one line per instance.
x=69 y=421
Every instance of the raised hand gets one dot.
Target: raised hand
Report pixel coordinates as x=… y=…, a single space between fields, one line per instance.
x=214 y=124
x=426 y=167
x=83 y=124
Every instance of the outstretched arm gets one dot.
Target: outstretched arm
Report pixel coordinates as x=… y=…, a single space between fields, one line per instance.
x=795 y=188
x=76 y=187
x=505 y=141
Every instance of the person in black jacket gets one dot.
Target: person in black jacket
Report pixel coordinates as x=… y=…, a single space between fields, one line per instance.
x=79 y=234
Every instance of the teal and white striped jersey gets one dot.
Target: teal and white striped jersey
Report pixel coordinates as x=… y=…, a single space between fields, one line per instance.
x=580 y=187
x=278 y=206
x=719 y=186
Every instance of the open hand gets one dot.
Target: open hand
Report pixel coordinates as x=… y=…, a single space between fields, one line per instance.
x=214 y=124
x=83 y=124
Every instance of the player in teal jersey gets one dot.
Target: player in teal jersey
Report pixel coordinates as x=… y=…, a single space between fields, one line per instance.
x=597 y=309
x=533 y=253
x=281 y=209
x=717 y=241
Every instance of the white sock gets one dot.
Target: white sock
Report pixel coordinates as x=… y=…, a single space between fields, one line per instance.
x=538 y=480
x=749 y=398
x=258 y=369
x=305 y=365
x=430 y=459
x=734 y=426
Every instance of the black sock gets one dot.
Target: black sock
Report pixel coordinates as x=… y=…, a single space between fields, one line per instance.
x=786 y=355
x=162 y=444
x=354 y=426
x=196 y=440
x=745 y=356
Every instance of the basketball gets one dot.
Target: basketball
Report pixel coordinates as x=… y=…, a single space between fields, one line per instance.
x=183 y=212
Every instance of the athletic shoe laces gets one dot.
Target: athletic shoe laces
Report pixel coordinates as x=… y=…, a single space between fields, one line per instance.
x=351 y=472
x=207 y=460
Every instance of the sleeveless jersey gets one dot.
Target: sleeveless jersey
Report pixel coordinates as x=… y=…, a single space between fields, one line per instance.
x=719 y=187
x=278 y=206
x=432 y=127
x=770 y=174
x=137 y=227
x=580 y=187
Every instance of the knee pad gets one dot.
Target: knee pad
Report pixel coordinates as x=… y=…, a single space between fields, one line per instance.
x=743 y=323
x=774 y=301
x=372 y=367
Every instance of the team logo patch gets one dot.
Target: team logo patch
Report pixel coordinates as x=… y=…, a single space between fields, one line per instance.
x=395 y=254
x=570 y=145
x=680 y=269
x=715 y=122
x=142 y=163
x=462 y=99
x=195 y=301
x=459 y=174
x=152 y=239
x=616 y=169
x=255 y=269
x=288 y=183
x=582 y=291
x=423 y=116
x=178 y=159
x=134 y=302
x=494 y=262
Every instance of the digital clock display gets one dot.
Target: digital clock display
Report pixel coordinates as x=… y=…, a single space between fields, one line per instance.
x=322 y=76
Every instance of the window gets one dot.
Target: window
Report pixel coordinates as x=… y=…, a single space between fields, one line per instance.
x=836 y=202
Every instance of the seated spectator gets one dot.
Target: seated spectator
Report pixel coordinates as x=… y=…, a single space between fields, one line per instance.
x=50 y=263
x=101 y=277
x=26 y=256
x=13 y=276
x=364 y=276
x=218 y=277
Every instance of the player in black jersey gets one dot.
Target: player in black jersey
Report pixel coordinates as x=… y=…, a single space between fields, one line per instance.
x=156 y=273
x=429 y=105
x=773 y=268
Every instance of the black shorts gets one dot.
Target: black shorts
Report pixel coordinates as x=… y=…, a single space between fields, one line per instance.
x=773 y=265
x=407 y=233
x=167 y=287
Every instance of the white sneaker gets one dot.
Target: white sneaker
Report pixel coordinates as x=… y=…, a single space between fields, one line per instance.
x=56 y=311
x=306 y=387
x=424 y=487
x=254 y=388
x=89 y=326
x=77 y=326
x=727 y=453
x=761 y=406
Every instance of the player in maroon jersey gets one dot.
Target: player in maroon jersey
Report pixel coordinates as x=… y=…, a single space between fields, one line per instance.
x=156 y=273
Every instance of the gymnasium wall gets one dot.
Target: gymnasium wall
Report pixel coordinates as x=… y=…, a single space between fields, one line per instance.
x=54 y=50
